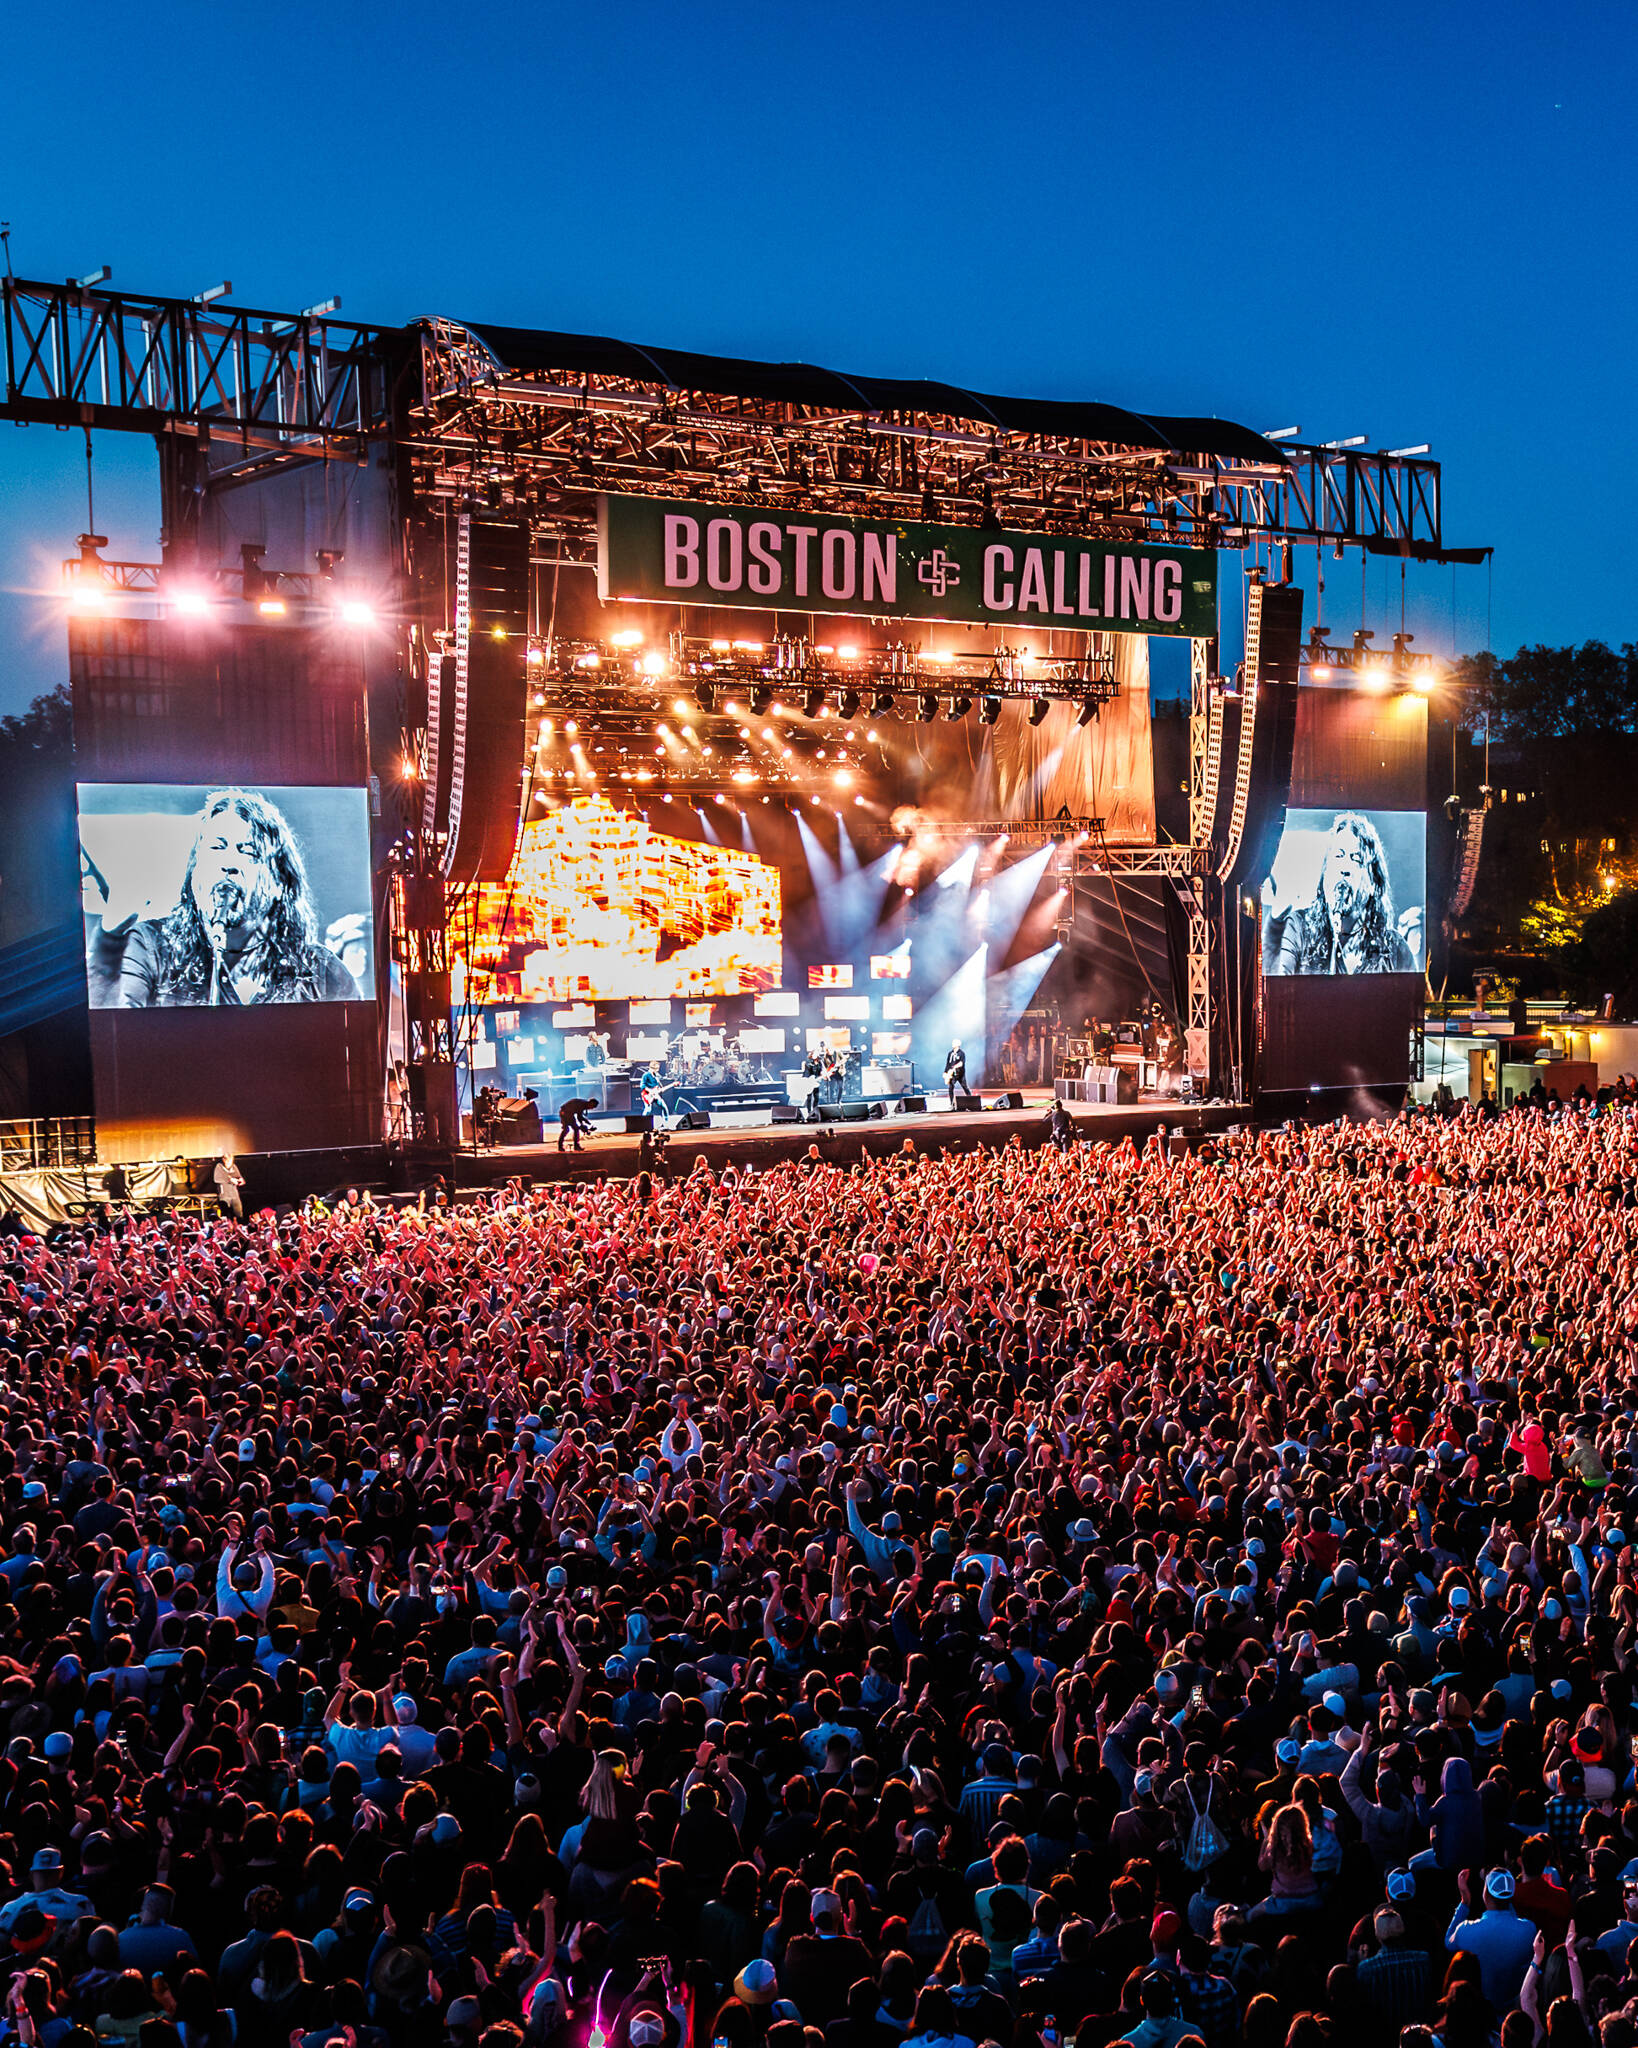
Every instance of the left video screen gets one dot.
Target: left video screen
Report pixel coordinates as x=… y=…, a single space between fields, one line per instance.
x=197 y=897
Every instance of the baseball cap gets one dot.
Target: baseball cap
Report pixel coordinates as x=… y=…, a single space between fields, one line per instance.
x=1334 y=1703
x=247 y=1450
x=1288 y=1751
x=1499 y=1885
x=1164 y=1930
x=757 y=1984
x=1401 y=1884
x=646 y=2029
x=58 y=1743
x=825 y=1902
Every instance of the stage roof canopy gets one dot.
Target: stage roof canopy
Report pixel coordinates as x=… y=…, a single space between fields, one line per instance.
x=526 y=350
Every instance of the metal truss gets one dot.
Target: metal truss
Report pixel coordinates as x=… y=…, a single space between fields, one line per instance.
x=547 y=441
x=287 y=386
x=1205 y=757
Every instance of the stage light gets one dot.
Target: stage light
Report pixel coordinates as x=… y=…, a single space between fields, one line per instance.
x=272 y=607
x=536 y=656
x=848 y=653
x=571 y=728
x=1088 y=711
x=873 y=736
x=681 y=707
x=626 y=639
x=495 y=632
x=959 y=707
x=720 y=798
x=927 y=707
x=847 y=703
x=189 y=604
x=881 y=704
x=654 y=664
x=539 y=698
x=588 y=661
x=720 y=646
x=812 y=703
x=989 y=710
x=354 y=612
x=936 y=654
x=748 y=646
x=1039 y=707
x=1321 y=675
x=843 y=779
x=407 y=770
x=1426 y=680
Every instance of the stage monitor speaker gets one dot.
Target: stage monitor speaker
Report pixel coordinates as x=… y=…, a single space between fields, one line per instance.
x=877 y=1110
x=1011 y=1100
x=694 y=1120
x=912 y=1105
x=787 y=1113
x=517 y=1123
x=639 y=1120
x=968 y=1103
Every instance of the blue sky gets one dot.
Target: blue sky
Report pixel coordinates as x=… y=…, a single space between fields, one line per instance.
x=1411 y=222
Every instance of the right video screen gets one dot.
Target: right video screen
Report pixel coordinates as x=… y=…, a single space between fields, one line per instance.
x=1346 y=894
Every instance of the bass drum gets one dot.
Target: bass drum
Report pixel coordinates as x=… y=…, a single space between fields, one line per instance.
x=742 y=1071
x=712 y=1074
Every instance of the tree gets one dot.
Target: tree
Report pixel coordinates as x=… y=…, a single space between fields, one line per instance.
x=1552 y=693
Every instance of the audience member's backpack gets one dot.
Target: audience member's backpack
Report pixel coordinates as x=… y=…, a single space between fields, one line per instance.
x=1206 y=1840
x=926 y=1935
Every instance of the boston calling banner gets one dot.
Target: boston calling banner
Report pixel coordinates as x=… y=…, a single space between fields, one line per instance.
x=666 y=551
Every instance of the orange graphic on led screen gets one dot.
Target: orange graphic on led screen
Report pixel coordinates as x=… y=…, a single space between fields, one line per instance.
x=600 y=904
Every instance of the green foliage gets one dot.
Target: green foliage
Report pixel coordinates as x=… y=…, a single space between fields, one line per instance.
x=1543 y=693
x=1604 y=959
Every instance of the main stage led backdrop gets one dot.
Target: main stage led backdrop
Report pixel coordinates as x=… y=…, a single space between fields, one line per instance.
x=224 y=898
x=601 y=905
x=1346 y=894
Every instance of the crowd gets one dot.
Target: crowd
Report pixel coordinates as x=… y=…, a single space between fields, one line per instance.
x=1018 y=1596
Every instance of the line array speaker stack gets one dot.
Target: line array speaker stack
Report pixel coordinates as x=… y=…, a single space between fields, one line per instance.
x=477 y=702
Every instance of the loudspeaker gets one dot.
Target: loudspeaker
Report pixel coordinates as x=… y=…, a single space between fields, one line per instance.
x=855 y=1112
x=639 y=1121
x=877 y=1109
x=787 y=1113
x=694 y=1120
x=517 y=1123
x=1011 y=1100
x=1126 y=1085
x=912 y=1105
x=968 y=1102
x=482 y=732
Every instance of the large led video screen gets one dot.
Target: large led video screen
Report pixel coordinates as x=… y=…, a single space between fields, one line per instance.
x=600 y=907
x=229 y=897
x=1346 y=894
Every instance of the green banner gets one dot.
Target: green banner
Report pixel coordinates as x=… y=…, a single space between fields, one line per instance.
x=665 y=551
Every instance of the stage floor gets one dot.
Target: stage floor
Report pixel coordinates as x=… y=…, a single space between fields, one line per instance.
x=746 y=1137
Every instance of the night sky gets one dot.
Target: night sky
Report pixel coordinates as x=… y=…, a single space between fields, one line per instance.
x=1412 y=222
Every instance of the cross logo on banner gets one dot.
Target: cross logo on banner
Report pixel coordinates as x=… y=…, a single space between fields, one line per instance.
x=938 y=572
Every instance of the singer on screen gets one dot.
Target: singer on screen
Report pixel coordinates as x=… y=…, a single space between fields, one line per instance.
x=244 y=930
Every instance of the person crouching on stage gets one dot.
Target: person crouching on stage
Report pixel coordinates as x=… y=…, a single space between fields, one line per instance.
x=572 y=1121
x=955 y=1071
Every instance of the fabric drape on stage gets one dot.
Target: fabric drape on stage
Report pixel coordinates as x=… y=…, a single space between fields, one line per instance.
x=1101 y=770
x=49 y=1195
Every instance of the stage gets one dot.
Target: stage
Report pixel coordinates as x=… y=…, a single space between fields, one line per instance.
x=752 y=1140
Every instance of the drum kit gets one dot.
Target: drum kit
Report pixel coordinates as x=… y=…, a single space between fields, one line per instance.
x=698 y=1061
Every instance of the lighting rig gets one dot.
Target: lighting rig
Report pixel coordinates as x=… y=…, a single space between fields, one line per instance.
x=1398 y=670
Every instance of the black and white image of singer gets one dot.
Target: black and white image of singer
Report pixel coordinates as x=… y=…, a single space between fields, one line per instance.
x=242 y=931
x=1330 y=909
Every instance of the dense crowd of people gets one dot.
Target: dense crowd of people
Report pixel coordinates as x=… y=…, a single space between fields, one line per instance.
x=1018 y=1596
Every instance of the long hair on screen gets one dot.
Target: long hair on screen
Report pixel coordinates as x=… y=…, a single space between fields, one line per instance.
x=1376 y=931
x=281 y=942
